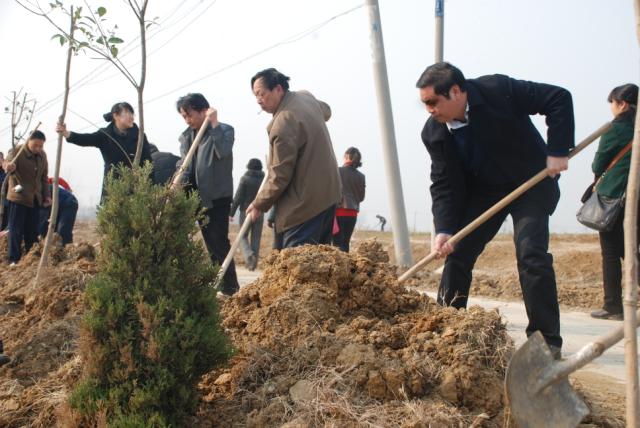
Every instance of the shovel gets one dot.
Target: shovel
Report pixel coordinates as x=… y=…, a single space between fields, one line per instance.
x=537 y=386
x=243 y=231
x=500 y=205
x=227 y=260
x=177 y=177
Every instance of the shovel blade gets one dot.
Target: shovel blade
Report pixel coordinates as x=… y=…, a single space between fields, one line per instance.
x=556 y=405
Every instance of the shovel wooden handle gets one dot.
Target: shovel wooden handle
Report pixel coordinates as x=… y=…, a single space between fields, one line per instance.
x=227 y=260
x=243 y=231
x=501 y=205
x=191 y=153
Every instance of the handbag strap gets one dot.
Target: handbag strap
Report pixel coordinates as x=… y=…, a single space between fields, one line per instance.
x=615 y=160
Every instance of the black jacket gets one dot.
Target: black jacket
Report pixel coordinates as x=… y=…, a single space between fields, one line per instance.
x=499 y=123
x=113 y=154
x=247 y=190
x=164 y=166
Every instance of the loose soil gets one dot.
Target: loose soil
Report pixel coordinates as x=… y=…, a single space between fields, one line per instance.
x=39 y=329
x=327 y=338
x=576 y=259
x=323 y=339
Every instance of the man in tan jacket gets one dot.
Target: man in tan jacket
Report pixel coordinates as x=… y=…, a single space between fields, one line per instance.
x=28 y=191
x=303 y=180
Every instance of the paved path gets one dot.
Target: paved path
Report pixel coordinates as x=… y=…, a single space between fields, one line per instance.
x=578 y=329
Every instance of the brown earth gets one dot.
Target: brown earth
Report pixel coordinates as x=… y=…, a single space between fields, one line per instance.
x=576 y=259
x=39 y=329
x=326 y=338
x=577 y=263
x=323 y=339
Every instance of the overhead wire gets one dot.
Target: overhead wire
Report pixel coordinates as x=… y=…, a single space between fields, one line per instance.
x=150 y=53
x=102 y=68
x=291 y=39
x=288 y=40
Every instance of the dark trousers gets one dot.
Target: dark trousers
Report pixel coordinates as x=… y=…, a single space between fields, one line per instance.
x=277 y=240
x=314 y=231
x=23 y=225
x=215 y=232
x=5 y=216
x=343 y=237
x=612 y=246
x=64 y=223
x=535 y=264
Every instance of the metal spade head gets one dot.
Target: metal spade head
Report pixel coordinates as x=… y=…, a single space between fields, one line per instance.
x=556 y=405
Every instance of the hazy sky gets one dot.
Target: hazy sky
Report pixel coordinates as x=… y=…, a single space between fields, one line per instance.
x=214 y=47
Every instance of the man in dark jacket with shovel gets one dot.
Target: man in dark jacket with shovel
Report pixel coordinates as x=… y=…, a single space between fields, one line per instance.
x=483 y=145
x=210 y=172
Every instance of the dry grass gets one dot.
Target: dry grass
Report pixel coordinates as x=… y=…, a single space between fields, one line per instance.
x=40 y=405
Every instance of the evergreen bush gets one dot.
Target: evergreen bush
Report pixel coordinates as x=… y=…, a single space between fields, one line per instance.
x=152 y=326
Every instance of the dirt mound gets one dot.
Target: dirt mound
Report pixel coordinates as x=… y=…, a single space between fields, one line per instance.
x=39 y=329
x=576 y=259
x=325 y=337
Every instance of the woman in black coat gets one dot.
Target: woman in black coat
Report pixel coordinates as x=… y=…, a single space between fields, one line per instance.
x=117 y=142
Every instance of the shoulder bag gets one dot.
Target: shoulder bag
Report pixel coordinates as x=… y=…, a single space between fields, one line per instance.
x=601 y=212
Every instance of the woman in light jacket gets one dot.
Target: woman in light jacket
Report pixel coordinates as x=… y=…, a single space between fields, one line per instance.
x=613 y=185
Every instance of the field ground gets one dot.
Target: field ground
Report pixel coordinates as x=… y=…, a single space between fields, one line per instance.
x=40 y=330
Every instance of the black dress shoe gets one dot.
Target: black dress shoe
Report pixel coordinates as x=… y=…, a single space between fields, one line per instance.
x=606 y=315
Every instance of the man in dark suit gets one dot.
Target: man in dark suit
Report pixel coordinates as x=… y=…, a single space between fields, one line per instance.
x=483 y=145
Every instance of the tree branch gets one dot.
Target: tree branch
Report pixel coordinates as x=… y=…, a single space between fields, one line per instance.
x=114 y=60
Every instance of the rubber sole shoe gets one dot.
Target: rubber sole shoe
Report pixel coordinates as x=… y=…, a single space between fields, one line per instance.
x=606 y=315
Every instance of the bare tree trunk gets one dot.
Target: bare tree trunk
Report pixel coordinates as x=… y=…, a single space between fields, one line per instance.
x=13 y=120
x=631 y=269
x=33 y=109
x=54 y=188
x=143 y=77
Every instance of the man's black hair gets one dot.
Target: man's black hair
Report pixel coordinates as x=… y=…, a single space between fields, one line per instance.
x=271 y=78
x=192 y=101
x=37 y=135
x=442 y=76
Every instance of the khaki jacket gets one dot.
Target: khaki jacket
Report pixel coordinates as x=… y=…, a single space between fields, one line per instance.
x=302 y=178
x=31 y=173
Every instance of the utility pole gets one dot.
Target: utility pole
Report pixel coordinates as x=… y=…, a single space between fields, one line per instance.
x=389 y=150
x=439 y=58
x=439 y=30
